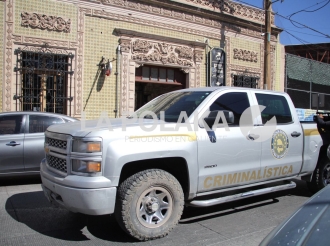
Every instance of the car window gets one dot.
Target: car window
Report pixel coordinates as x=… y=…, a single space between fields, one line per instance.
x=40 y=123
x=277 y=106
x=236 y=102
x=11 y=124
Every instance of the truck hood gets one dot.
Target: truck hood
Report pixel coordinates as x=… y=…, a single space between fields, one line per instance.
x=83 y=128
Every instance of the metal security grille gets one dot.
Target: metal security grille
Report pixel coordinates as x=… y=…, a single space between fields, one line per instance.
x=245 y=81
x=306 y=80
x=43 y=81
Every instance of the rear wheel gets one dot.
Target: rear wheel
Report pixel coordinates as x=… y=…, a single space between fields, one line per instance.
x=149 y=204
x=321 y=176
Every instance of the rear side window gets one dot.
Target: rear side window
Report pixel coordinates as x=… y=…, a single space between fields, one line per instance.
x=40 y=123
x=277 y=106
x=11 y=124
x=237 y=102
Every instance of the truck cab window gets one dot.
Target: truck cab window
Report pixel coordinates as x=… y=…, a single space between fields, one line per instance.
x=275 y=106
x=237 y=102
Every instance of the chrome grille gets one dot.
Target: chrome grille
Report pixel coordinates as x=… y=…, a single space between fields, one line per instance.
x=56 y=143
x=57 y=163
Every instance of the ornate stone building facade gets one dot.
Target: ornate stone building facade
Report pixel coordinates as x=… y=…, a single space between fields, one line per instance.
x=74 y=56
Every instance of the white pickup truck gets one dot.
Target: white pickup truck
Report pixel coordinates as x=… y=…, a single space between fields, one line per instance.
x=177 y=150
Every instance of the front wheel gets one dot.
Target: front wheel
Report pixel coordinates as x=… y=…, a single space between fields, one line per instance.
x=149 y=204
x=321 y=176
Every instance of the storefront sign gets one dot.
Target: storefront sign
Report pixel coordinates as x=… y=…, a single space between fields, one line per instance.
x=217 y=58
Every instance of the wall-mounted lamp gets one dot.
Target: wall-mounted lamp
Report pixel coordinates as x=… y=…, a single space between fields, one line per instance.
x=106 y=66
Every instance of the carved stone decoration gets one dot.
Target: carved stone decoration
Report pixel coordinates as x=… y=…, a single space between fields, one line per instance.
x=124 y=105
x=80 y=60
x=224 y=6
x=163 y=48
x=125 y=44
x=117 y=2
x=141 y=46
x=7 y=84
x=184 y=52
x=43 y=22
x=245 y=55
x=240 y=10
x=233 y=8
x=198 y=56
x=146 y=51
x=185 y=70
x=198 y=75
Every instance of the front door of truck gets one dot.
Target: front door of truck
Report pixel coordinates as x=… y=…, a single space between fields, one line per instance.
x=282 y=151
x=226 y=157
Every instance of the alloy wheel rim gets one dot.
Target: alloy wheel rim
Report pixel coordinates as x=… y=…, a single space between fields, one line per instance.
x=154 y=207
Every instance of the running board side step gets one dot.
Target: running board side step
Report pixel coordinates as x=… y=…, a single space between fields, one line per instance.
x=216 y=201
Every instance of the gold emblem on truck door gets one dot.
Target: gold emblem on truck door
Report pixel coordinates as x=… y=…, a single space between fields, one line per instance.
x=279 y=144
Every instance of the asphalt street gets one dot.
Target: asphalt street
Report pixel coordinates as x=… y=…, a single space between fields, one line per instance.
x=26 y=218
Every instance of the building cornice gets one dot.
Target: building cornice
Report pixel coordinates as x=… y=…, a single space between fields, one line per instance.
x=200 y=11
x=130 y=33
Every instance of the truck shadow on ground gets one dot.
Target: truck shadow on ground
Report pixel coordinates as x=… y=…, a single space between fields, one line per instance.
x=33 y=210
x=19 y=180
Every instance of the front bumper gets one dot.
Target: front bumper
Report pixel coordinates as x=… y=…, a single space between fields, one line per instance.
x=91 y=201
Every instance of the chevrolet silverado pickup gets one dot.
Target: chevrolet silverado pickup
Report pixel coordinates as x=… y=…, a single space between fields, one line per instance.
x=192 y=147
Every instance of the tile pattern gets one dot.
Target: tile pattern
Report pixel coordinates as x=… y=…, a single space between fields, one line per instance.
x=92 y=37
x=47 y=7
x=245 y=45
x=99 y=92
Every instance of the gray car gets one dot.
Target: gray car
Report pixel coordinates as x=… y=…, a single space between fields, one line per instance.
x=309 y=225
x=22 y=140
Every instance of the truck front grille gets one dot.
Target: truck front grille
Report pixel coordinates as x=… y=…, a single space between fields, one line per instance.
x=56 y=143
x=57 y=163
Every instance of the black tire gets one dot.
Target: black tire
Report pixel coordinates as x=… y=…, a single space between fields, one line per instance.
x=149 y=204
x=321 y=176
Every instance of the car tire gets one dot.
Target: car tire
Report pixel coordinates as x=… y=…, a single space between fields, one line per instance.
x=149 y=204
x=321 y=176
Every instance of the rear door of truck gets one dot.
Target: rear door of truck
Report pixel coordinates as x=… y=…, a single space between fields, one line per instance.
x=281 y=153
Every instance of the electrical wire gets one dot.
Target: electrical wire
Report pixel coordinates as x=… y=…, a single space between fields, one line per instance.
x=301 y=32
x=309 y=11
x=326 y=35
x=309 y=45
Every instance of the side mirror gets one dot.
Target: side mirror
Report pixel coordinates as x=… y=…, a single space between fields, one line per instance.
x=226 y=114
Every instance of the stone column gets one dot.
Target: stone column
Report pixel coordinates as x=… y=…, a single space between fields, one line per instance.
x=199 y=53
x=125 y=105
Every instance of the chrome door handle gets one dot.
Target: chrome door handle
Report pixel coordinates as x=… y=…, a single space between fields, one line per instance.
x=12 y=143
x=295 y=134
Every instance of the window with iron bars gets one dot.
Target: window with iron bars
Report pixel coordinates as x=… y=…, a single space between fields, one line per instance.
x=45 y=81
x=245 y=81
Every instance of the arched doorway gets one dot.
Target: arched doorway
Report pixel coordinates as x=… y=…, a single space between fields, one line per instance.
x=152 y=81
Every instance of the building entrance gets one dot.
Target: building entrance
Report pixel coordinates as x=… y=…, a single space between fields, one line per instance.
x=152 y=81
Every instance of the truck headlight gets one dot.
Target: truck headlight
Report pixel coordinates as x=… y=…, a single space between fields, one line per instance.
x=86 y=166
x=82 y=146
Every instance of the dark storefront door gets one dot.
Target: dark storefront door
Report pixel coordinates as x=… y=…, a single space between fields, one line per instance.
x=152 y=81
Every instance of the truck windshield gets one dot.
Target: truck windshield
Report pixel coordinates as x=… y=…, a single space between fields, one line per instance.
x=172 y=104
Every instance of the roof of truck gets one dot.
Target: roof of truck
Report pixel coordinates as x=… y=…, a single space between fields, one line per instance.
x=220 y=88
